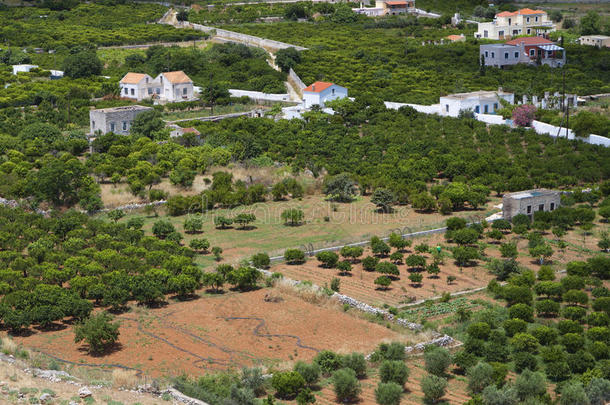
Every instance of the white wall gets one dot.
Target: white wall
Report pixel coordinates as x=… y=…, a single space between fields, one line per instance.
x=258 y=95
x=490 y=119
x=426 y=109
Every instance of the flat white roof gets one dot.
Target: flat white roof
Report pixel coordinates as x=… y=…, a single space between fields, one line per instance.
x=480 y=93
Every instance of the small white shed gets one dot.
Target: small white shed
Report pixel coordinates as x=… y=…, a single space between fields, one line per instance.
x=321 y=92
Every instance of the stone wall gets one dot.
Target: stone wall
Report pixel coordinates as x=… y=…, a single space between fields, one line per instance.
x=258 y=95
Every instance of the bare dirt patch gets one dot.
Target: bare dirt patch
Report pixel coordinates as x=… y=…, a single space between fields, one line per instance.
x=224 y=332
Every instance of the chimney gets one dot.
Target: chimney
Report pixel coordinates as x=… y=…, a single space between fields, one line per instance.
x=313 y=87
x=500 y=89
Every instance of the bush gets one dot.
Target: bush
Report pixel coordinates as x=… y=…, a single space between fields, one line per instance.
x=598 y=391
x=389 y=351
x=433 y=387
x=573 y=394
x=161 y=229
x=530 y=384
x=388 y=393
x=294 y=256
x=288 y=384
x=464 y=360
x=261 y=260
x=479 y=377
x=369 y=263
x=437 y=359
x=327 y=361
x=346 y=385
x=525 y=361
x=310 y=372
x=344 y=267
x=521 y=311
x=98 y=331
x=356 y=362
x=394 y=371
x=328 y=259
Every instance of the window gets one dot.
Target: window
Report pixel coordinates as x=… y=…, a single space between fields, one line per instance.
x=536 y=19
x=132 y=92
x=446 y=107
x=486 y=109
x=528 y=20
x=501 y=33
x=126 y=90
x=532 y=52
x=516 y=55
x=124 y=125
x=505 y=55
x=529 y=209
x=112 y=127
x=93 y=124
x=149 y=91
x=509 y=21
x=515 y=32
x=529 y=31
x=493 y=55
x=486 y=54
x=485 y=34
x=552 y=206
x=158 y=90
x=477 y=109
x=184 y=91
x=495 y=106
x=541 y=207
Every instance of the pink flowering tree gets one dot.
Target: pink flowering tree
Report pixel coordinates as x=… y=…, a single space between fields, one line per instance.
x=523 y=115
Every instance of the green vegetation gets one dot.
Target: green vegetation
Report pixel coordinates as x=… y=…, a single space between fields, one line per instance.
x=386 y=59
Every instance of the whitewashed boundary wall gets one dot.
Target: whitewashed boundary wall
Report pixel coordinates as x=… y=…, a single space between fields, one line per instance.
x=258 y=95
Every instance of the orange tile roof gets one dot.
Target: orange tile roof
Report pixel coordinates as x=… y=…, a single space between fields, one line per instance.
x=317 y=87
x=455 y=37
x=133 y=78
x=396 y=3
x=529 y=41
x=177 y=77
x=523 y=11
x=190 y=130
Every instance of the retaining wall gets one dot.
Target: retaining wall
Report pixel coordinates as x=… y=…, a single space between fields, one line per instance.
x=296 y=82
x=552 y=130
x=490 y=119
x=238 y=37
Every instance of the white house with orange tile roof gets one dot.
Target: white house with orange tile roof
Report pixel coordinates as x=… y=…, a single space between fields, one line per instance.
x=319 y=93
x=167 y=86
x=509 y=24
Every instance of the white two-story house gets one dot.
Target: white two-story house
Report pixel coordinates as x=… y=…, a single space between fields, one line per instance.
x=168 y=87
x=509 y=24
x=320 y=92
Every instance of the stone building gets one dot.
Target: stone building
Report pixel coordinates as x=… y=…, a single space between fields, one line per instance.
x=529 y=201
x=115 y=119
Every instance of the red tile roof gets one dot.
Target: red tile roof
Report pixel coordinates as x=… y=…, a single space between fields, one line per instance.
x=455 y=37
x=396 y=3
x=529 y=41
x=133 y=78
x=523 y=11
x=317 y=87
x=190 y=130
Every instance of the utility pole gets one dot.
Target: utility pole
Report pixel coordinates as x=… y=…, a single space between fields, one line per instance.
x=563 y=98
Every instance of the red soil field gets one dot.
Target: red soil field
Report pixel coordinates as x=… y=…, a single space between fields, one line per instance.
x=360 y=284
x=224 y=332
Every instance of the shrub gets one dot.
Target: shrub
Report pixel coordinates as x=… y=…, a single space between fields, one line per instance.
x=479 y=377
x=387 y=268
x=525 y=361
x=161 y=229
x=369 y=263
x=479 y=330
x=344 y=266
x=523 y=115
x=530 y=384
x=521 y=311
x=335 y=284
x=260 y=260
x=524 y=342
x=328 y=259
x=433 y=387
x=547 y=308
x=389 y=351
x=514 y=326
x=346 y=385
x=437 y=359
x=98 y=331
x=388 y=393
x=464 y=360
x=294 y=256
x=327 y=361
x=573 y=394
x=394 y=371
x=383 y=282
x=310 y=372
x=288 y=384
x=356 y=362
x=598 y=391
